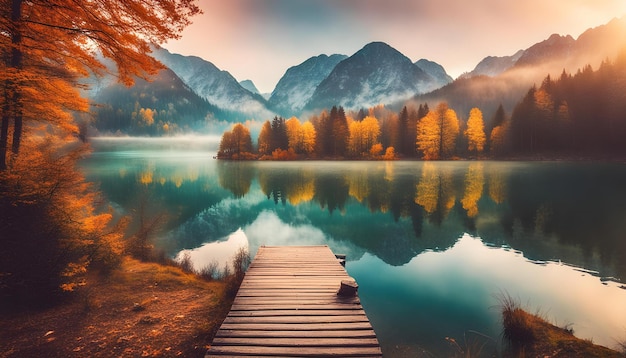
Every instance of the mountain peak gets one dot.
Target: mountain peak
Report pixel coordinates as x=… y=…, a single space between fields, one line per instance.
x=299 y=82
x=375 y=74
x=435 y=70
x=217 y=86
x=249 y=85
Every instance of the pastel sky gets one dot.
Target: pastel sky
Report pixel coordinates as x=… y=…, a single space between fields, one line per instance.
x=261 y=39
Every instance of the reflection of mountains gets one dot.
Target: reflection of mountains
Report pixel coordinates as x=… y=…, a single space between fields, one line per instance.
x=397 y=210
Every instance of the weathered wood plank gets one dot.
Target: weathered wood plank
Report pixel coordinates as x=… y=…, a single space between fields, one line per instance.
x=297 y=319
x=298 y=306
x=361 y=333
x=287 y=305
x=300 y=342
x=295 y=351
x=293 y=301
x=288 y=312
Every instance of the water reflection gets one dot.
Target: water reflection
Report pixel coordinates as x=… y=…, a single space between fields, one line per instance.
x=219 y=253
x=454 y=292
x=540 y=208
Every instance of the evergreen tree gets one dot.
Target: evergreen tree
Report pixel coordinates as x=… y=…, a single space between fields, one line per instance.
x=406 y=142
x=280 y=139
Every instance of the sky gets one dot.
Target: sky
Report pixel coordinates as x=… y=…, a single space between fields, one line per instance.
x=260 y=39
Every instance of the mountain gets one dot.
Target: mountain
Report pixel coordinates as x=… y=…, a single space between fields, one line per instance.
x=561 y=52
x=249 y=85
x=495 y=65
x=164 y=105
x=376 y=74
x=505 y=80
x=217 y=86
x=435 y=70
x=556 y=48
x=298 y=84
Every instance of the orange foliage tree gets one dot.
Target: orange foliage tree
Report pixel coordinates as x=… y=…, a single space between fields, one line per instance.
x=51 y=228
x=47 y=46
x=236 y=144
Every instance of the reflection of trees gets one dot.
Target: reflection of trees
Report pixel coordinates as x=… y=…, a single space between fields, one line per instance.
x=474 y=182
x=497 y=185
x=435 y=192
x=574 y=214
x=301 y=188
x=274 y=185
x=331 y=191
x=293 y=186
x=235 y=177
x=359 y=185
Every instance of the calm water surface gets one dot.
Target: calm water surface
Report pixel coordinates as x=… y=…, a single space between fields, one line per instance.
x=432 y=244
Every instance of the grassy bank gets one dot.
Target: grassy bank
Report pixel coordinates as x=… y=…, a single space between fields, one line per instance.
x=530 y=335
x=140 y=309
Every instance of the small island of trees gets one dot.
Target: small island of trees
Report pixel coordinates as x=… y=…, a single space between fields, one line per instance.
x=375 y=134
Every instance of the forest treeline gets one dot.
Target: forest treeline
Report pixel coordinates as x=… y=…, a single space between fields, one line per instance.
x=582 y=115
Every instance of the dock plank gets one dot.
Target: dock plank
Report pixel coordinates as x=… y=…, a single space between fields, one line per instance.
x=287 y=305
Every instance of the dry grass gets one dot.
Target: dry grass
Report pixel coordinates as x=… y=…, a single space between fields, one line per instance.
x=142 y=309
x=530 y=335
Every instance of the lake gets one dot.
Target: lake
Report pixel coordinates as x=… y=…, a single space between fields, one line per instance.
x=431 y=244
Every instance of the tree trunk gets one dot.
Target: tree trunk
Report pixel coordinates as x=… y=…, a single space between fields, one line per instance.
x=4 y=134
x=16 y=64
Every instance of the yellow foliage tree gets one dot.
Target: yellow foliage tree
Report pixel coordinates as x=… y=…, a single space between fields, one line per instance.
x=363 y=135
x=475 y=131
x=294 y=133
x=437 y=133
x=308 y=137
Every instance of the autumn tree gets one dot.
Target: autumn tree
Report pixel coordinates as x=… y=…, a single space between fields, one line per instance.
x=301 y=137
x=236 y=144
x=47 y=47
x=437 y=133
x=363 y=135
x=264 y=141
x=497 y=139
x=308 y=138
x=475 y=131
x=52 y=230
x=293 y=126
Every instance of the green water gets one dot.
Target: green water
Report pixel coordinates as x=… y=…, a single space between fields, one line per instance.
x=432 y=245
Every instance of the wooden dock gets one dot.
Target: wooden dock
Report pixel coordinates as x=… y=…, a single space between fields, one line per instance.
x=288 y=306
